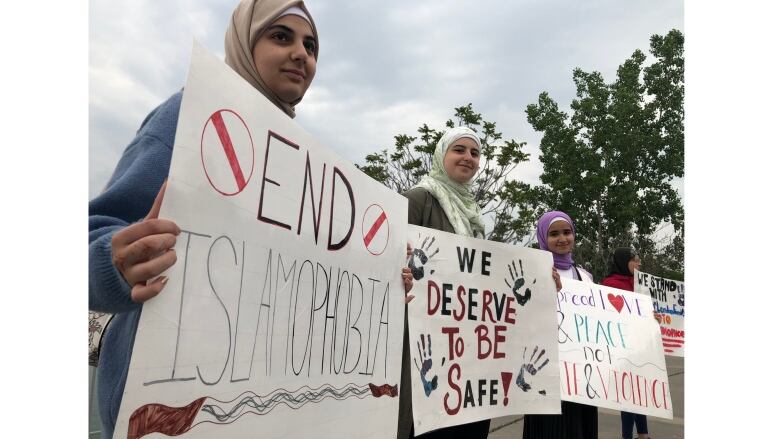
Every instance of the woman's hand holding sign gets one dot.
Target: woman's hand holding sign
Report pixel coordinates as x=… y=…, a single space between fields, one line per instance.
x=406 y=275
x=143 y=250
x=557 y=279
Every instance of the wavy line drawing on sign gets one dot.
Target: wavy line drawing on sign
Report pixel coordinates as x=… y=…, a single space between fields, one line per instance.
x=175 y=421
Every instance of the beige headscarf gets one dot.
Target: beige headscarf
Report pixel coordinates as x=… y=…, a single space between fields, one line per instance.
x=249 y=20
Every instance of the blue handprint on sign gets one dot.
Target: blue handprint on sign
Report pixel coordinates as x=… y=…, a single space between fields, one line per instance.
x=517 y=284
x=531 y=367
x=420 y=257
x=427 y=364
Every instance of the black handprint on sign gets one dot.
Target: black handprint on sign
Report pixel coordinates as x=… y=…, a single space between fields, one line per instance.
x=427 y=363
x=531 y=367
x=419 y=258
x=518 y=282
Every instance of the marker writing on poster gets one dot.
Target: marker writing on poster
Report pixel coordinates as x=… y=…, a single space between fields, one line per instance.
x=267 y=215
x=592 y=330
x=474 y=393
x=466 y=261
x=495 y=311
x=624 y=387
x=660 y=288
x=670 y=332
x=668 y=310
x=477 y=320
x=489 y=306
x=597 y=299
x=336 y=321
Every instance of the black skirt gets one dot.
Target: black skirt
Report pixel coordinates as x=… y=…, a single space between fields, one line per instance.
x=576 y=421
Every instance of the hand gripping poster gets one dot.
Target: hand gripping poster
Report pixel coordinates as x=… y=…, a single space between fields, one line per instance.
x=669 y=305
x=482 y=330
x=610 y=350
x=283 y=315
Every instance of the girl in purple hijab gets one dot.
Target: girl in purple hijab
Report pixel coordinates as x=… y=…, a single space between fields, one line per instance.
x=555 y=233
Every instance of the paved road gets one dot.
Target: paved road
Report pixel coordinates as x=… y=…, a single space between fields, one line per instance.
x=511 y=427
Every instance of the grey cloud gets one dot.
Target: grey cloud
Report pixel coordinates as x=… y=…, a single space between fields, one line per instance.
x=384 y=68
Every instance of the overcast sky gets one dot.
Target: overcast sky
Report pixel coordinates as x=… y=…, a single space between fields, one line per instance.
x=384 y=67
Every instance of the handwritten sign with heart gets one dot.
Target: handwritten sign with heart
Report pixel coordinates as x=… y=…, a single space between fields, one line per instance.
x=610 y=350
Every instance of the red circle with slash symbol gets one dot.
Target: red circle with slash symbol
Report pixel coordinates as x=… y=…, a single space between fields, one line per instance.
x=376 y=229
x=227 y=152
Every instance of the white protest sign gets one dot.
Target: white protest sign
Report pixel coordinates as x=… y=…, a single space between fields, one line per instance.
x=669 y=306
x=283 y=316
x=481 y=330
x=610 y=350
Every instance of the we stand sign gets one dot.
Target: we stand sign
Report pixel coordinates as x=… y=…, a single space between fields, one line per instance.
x=610 y=350
x=669 y=306
x=283 y=316
x=481 y=330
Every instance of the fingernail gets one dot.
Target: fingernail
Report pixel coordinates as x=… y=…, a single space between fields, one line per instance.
x=164 y=279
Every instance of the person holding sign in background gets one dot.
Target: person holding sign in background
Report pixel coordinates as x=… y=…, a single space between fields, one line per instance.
x=555 y=233
x=273 y=45
x=442 y=200
x=621 y=275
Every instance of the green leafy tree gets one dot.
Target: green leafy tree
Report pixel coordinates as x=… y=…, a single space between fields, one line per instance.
x=505 y=201
x=611 y=161
x=662 y=259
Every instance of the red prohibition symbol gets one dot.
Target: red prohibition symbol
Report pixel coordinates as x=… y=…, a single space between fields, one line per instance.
x=376 y=230
x=227 y=152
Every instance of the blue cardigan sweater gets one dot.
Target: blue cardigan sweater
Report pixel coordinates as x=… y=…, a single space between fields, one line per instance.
x=127 y=198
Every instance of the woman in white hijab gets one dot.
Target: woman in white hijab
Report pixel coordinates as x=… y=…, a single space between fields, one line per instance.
x=443 y=201
x=453 y=167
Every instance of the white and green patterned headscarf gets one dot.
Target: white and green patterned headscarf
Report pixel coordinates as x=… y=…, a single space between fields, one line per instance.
x=455 y=198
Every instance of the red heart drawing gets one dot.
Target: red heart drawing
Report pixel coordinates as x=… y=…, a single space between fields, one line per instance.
x=616 y=301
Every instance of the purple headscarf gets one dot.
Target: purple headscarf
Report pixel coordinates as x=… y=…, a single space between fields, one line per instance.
x=564 y=262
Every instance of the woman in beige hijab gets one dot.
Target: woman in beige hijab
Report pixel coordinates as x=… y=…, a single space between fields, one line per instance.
x=273 y=45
